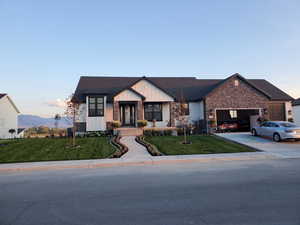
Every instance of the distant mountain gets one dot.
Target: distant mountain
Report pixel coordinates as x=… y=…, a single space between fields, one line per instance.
x=27 y=121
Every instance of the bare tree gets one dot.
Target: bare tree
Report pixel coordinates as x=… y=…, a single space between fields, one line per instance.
x=72 y=111
x=183 y=115
x=11 y=131
x=57 y=118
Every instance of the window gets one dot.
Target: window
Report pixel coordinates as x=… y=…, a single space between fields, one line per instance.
x=153 y=111
x=96 y=106
x=185 y=109
x=236 y=83
x=233 y=114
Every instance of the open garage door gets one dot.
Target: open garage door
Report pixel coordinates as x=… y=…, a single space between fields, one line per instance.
x=235 y=119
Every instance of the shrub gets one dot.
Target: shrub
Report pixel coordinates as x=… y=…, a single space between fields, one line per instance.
x=116 y=124
x=262 y=119
x=148 y=133
x=167 y=132
x=142 y=123
x=156 y=133
x=180 y=131
x=291 y=120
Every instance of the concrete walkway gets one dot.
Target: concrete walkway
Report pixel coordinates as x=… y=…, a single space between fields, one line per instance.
x=136 y=151
x=286 y=149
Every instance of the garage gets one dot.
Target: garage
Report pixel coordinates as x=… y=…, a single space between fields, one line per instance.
x=235 y=120
x=277 y=111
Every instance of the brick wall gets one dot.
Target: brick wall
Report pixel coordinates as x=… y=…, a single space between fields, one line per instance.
x=230 y=96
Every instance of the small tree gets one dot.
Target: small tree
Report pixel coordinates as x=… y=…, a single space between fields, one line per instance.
x=57 y=118
x=11 y=131
x=183 y=117
x=72 y=111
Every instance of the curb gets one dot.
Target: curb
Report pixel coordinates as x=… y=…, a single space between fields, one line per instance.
x=156 y=160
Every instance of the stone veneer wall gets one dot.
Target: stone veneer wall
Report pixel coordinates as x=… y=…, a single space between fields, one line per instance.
x=174 y=112
x=116 y=111
x=139 y=110
x=230 y=96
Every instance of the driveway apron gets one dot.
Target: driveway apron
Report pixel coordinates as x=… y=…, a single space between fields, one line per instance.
x=286 y=149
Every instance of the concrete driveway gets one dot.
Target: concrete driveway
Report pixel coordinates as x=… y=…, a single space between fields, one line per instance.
x=287 y=149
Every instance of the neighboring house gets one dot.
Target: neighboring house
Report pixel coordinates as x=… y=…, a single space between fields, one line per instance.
x=128 y=99
x=8 y=118
x=296 y=111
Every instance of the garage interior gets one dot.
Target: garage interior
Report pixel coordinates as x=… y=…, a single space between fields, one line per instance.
x=238 y=117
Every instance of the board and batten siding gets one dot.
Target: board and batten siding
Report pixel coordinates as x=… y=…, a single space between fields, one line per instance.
x=8 y=118
x=151 y=92
x=127 y=95
x=196 y=111
x=288 y=108
x=95 y=123
x=296 y=113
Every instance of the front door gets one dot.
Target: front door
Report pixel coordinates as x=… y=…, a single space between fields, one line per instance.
x=127 y=116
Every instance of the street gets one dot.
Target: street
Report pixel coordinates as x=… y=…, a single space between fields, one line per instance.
x=231 y=192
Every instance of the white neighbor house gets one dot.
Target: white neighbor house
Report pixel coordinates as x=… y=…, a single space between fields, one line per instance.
x=296 y=111
x=9 y=118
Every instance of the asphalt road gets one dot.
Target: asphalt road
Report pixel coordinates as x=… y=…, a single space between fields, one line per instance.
x=238 y=192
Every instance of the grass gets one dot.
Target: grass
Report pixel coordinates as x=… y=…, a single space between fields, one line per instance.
x=172 y=145
x=48 y=149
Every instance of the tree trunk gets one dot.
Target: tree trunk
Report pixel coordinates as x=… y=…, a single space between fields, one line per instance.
x=74 y=129
x=184 y=133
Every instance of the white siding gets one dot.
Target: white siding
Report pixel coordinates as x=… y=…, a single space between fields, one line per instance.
x=8 y=118
x=151 y=93
x=127 y=95
x=165 y=117
x=288 y=107
x=96 y=123
x=296 y=113
x=196 y=111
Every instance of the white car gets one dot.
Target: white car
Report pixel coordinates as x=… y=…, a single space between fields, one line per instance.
x=278 y=130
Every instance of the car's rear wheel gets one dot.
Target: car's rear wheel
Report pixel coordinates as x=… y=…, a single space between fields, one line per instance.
x=276 y=137
x=254 y=133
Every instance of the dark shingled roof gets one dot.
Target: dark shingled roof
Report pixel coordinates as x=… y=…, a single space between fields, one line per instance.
x=296 y=102
x=190 y=88
x=2 y=95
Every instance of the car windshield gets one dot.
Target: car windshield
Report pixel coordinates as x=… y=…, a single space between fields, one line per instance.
x=287 y=125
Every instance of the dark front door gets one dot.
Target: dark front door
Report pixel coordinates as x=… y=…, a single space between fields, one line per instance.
x=127 y=116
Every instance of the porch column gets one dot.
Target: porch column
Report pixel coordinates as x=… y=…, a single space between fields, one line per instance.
x=140 y=110
x=116 y=111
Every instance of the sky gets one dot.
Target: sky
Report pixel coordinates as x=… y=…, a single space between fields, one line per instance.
x=45 y=46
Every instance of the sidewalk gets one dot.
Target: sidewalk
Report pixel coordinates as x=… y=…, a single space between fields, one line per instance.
x=136 y=151
x=150 y=160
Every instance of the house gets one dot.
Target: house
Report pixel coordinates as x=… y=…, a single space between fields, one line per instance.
x=296 y=111
x=128 y=99
x=9 y=118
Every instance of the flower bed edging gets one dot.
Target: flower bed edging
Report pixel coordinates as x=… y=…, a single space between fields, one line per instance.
x=121 y=149
x=150 y=148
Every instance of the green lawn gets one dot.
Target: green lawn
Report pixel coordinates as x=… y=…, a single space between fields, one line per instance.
x=172 y=145
x=48 y=149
